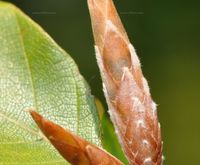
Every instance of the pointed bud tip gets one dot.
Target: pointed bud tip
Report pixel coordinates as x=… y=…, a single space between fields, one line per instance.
x=36 y=116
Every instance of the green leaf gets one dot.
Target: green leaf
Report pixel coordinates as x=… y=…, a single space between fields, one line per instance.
x=36 y=72
x=109 y=140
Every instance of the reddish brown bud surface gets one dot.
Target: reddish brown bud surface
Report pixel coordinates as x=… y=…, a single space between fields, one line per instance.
x=74 y=149
x=131 y=107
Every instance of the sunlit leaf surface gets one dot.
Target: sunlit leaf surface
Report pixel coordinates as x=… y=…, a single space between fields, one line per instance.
x=36 y=72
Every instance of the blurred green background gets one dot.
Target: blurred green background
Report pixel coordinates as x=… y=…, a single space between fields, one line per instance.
x=166 y=35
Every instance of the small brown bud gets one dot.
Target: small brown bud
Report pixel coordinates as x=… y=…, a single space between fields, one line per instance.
x=73 y=148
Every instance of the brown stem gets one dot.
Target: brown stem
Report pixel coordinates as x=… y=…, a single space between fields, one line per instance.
x=131 y=107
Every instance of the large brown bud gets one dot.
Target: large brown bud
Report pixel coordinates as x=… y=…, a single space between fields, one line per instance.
x=131 y=107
